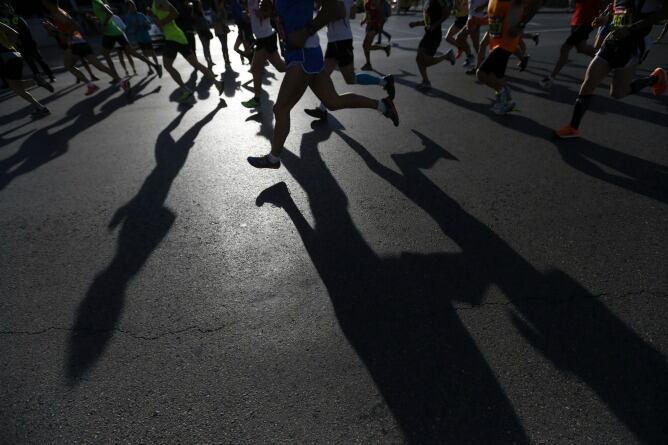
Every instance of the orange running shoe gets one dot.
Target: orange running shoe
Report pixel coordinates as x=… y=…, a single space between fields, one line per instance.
x=567 y=132
x=660 y=86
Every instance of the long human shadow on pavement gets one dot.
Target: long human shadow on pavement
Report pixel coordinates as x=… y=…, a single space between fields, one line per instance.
x=571 y=327
x=398 y=315
x=629 y=172
x=43 y=146
x=145 y=222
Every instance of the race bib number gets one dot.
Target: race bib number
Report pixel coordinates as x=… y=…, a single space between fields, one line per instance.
x=621 y=17
x=495 y=26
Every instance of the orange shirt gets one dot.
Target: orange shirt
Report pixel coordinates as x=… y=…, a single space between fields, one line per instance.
x=502 y=15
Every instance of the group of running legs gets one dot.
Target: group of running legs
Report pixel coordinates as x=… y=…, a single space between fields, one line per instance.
x=621 y=45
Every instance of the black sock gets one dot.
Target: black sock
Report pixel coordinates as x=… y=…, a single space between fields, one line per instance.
x=642 y=82
x=581 y=105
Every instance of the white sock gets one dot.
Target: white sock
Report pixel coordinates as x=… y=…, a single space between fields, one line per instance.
x=322 y=107
x=382 y=107
x=273 y=159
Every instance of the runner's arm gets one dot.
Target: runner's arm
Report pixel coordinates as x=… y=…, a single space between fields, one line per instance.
x=326 y=14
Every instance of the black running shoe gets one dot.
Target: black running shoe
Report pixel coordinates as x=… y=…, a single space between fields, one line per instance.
x=44 y=84
x=389 y=86
x=391 y=111
x=263 y=162
x=316 y=113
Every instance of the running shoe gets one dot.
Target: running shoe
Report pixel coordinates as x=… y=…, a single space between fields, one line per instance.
x=316 y=113
x=545 y=83
x=186 y=94
x=503 y=107
x=252 y=103
x=471 y=71
x=367 y=67
x=536 y=38
x=125 y=85
x=220 y=86
x=40 y=113
x=90 y=89
x=523 y=63
x=469 y=61
x=263 y=162
x=388 y=49
x=423 y=86
x=389 y=86
x=450 y=56
x=391 y=111
x=660 y=86
x=158 y=69
x=567 y=132
x=44 y=84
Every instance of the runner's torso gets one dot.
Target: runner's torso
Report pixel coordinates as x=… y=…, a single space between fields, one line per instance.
x=340 y=29
x=500 y=13
x=433 y=11
x=170 y=30
x=373 y=12
x=261 y=27
x=293 y=15
x=585 y=11
x=626 y=12
x=111 y=29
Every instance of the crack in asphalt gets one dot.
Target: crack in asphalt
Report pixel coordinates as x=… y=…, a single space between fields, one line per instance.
x=456 y=308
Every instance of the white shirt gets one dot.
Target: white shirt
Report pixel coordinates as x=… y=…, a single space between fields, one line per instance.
x=261 y=28
x=340 y=29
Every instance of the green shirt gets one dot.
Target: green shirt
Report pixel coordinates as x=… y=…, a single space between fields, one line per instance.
x=101 y=13
x=171 y=30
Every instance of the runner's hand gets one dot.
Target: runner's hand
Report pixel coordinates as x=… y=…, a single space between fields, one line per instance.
x=297 y=39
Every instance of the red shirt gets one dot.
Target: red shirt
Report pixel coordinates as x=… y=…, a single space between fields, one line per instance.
x=585 y=11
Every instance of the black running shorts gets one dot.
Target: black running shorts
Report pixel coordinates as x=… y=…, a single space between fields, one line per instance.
x=620 y=53
x=11 y=65
x=269 y=44
x=579 y=33
x=82 y=49
x=342 y=51
x=460 y=22
x=496 y=62
x=172 y=48
x=108 y=42
x=431 y=41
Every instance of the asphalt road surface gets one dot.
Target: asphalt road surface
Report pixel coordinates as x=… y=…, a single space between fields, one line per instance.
x=463 y=278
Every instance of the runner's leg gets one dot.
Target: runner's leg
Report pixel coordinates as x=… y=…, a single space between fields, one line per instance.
x=292 y=89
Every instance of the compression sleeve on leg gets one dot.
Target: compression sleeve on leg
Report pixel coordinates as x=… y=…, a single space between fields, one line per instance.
x=581 y=105
x=642 y=82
